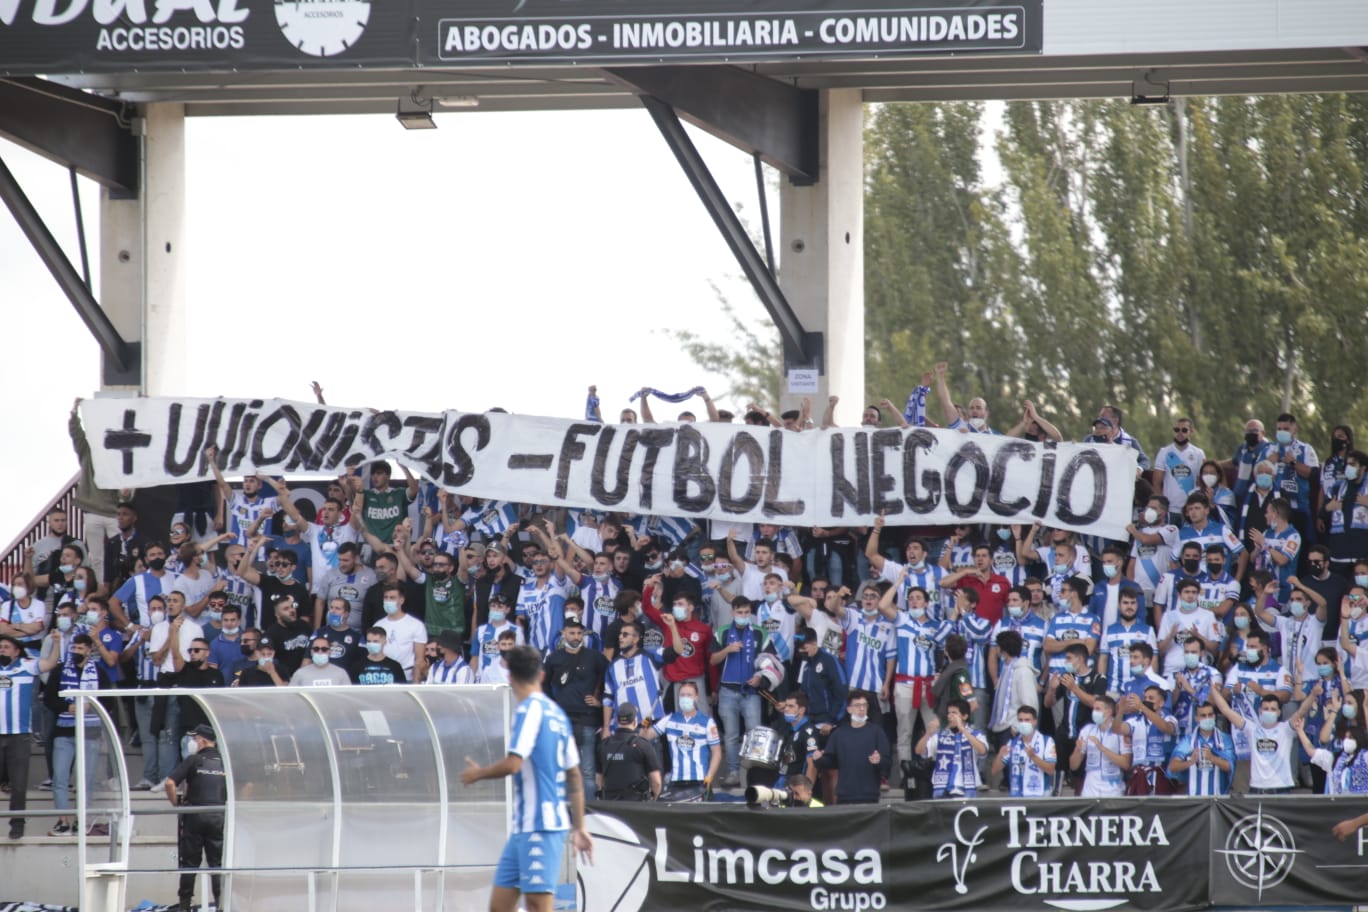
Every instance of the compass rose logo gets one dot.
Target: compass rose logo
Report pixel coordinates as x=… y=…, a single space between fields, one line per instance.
x=1260 y=851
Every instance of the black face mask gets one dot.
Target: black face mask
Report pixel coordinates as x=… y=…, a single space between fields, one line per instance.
x=440 y=575
x=1339 y=445
x=6 y=661
x=193 y=663
x=1251 y=440
x=1215 y=569
x=247 y=650
x=1192 y=566
x=78 y=658
x=156 y=564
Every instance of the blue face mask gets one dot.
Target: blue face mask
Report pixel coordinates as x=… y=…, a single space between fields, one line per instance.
x=771 y=597
x=1263 y=482
x=1004 y=534
x=335 y=619
x=1349 y=710
x=741 y=620
x=1061 y=569
x=790 y=718
x=375 y=648
x=496 y=617
x=1284 y=437
x=1324 y=671
x=686 y=704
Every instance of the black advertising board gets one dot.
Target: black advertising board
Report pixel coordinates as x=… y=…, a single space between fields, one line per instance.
x=549 y=31
x=85 y=36
x=1077 y=855
x=53 y=37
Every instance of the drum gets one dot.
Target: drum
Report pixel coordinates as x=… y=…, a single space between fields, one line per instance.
x=770 y=669
x=760 y=748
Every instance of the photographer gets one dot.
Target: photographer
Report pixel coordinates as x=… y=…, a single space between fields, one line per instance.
x=800 y=793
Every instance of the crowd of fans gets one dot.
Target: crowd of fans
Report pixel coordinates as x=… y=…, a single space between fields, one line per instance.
x=1215 y=650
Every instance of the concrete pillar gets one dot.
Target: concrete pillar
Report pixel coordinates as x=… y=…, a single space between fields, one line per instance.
x=821 y=251
x=142 y=255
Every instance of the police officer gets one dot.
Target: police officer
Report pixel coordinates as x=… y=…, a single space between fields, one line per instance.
x=629 y=768
x=201 y=834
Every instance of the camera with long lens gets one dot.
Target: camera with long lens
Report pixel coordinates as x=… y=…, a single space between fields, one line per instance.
x=762 y=796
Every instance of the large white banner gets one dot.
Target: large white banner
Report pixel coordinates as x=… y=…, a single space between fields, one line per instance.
x=837 y=477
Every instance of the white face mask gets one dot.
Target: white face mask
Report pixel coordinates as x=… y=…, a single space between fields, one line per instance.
x=158 y=617
x=978 y=423
x=1210 y=480
x=858 y=720
x=1151 y=515
x=1350 y=745
x=19 y=592
x=192 y=747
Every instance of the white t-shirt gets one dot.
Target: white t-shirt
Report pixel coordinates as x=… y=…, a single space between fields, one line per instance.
x=1180 y=468
x=190 y=630
x=402 y=635
x=830 y=635
x=1153 y=561
x=323 y=545
x=1182 y=622
x=1357 y=665
x=1104 y=779
x=752 y=582
x=493 y=673
x=195 y=589
x=1270 y=755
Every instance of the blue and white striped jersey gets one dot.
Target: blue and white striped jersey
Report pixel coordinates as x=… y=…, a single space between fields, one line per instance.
x=458 y=672
x=542 y=738
x=673 y=529
x=928 y=577
x=870 y=643
x=1116 y=645
x=1031 y=626
x=136 y=590
x=18 y=681
x=785 y=543
x=918 y=643
x=493 y=519
x=1215 y=590
x=1006 y=564
x=1214 y=532
x=975 y=631
x=1205 y=778
x=635 y=680
x=244 y=596
x=1067 y=626
x=544 y=608
x=486 y=645
x=1150 y=746
x=1025 y=779
x=243 y=512
x=691 y=744
x=598 y=602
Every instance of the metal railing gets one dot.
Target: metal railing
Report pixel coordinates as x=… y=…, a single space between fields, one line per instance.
x=12 y=557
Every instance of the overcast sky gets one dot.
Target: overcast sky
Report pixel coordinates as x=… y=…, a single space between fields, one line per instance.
x=502 y=259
